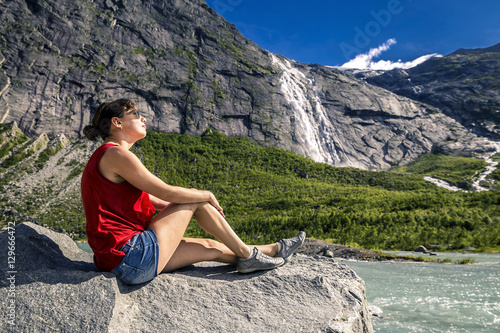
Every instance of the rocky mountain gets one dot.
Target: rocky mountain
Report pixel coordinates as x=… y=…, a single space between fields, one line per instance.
x=464 y=85
x=189 y=71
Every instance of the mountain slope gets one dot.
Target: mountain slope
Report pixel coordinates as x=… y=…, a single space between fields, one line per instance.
x=191 y=71
x=465 y=85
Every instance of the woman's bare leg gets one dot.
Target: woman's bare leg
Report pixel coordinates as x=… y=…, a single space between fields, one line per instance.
x=212 y=222
x=193 y=250
x=170 y=225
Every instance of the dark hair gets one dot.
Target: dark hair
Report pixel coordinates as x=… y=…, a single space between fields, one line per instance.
x=101 y=122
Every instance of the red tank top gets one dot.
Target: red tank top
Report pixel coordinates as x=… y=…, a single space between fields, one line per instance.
x=114 y=212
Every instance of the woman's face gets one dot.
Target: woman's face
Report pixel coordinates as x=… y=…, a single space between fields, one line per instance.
x=134 y=124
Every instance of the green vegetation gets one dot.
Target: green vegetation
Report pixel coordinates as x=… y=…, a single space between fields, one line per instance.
x=17 y=156
x=458 y=171
x=218 y=94
x=6 y=145
x=466 y=261
x=76 y=172
x=269 y=193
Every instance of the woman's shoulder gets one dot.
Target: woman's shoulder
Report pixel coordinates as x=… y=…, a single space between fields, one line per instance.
x=103 y=148
x=118 y=157
x=119 y=152
x=119 y=164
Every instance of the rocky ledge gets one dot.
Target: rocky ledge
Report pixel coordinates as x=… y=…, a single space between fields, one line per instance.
x=53 y=285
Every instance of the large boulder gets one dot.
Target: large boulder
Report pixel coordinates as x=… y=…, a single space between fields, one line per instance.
x=53 y=286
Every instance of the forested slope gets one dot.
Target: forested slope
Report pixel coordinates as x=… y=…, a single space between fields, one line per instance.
x=267 y=193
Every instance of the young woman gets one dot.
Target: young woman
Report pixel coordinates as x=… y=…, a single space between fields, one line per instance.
x=120 y=197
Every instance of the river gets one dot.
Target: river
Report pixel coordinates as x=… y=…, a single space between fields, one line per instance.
x=431 y=297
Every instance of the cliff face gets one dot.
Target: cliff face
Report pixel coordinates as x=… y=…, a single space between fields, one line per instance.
x=56 y=286
x=464 y=85
x=189 y=70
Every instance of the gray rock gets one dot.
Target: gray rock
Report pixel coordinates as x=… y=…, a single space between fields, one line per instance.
x=463 y=85
x=57 y=288
x=421 y=248
x=328 y=253
x=316 y=247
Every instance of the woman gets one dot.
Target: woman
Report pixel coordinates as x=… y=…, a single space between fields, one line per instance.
x=120 y=197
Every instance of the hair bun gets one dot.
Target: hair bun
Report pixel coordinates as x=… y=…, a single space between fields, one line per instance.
x=101 y=121
x=92 y=133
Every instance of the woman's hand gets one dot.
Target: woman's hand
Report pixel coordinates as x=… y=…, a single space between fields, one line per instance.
x=213 y=201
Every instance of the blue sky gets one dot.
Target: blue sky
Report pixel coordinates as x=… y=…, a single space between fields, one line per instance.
x=333 y=32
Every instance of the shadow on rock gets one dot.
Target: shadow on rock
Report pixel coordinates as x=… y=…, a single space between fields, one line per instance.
x=201 y=271
x=216 y=271
x=41 y=255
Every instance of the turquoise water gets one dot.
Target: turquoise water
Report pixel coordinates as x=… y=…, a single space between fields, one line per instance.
x=480 y=258
x=84 y=246
x=423 y=297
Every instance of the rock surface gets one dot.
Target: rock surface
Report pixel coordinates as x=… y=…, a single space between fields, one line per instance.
x=189 y=71
x=316 y=247
x=421 y=248
x=57 y=288
x=463 y=85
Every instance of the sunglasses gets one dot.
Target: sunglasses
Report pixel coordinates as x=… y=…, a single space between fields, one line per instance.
x=137 y=114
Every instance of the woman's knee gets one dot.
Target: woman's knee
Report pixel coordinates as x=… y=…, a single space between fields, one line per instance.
x=190 y=206
x=204 y=208
x=203 y=205
x=175 y=207
x=194 y=207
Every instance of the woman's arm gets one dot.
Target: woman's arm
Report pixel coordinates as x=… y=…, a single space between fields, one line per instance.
x=157 y=203
x=119 y=164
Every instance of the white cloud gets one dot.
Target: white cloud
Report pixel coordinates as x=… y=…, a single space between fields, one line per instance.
x=365 y=60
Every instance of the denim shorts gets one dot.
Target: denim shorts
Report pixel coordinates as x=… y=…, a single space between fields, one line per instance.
x=140 y=263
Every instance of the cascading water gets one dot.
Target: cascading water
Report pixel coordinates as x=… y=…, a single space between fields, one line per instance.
x=327 y=137
x=314 y=129
x=476 y=184
x=492 y=165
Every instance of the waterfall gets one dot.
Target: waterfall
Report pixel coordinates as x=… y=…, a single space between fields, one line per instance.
x=476 y=187
x=313 y=129
x=492 y=166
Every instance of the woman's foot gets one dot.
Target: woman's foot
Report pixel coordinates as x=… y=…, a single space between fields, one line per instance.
x=287 y=247
x=258 y=261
